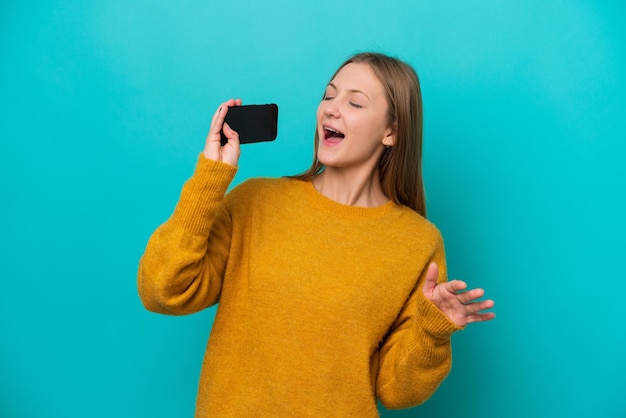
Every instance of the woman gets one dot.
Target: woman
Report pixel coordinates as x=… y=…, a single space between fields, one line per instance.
x=331 y=285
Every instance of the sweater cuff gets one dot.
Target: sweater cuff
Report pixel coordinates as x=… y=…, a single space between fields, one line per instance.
x=202 y=195
x=434 y=322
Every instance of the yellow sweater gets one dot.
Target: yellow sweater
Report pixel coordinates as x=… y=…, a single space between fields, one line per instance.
x=320 y=304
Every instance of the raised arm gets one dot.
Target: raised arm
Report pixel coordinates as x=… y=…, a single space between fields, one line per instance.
x=179 y=272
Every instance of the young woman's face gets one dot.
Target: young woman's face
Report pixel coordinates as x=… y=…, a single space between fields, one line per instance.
x=352 y=120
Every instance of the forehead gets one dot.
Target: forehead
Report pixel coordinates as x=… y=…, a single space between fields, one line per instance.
x=358 y=76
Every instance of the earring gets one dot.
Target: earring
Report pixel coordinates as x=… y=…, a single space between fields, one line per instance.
x=387 y=146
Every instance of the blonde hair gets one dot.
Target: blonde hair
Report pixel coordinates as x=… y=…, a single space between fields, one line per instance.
x=400 y=166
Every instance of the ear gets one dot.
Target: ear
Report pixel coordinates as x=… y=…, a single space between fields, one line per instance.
x=390 y=136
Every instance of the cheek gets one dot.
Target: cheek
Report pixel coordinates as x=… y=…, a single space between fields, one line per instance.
x=378 y=124
x=320 y=111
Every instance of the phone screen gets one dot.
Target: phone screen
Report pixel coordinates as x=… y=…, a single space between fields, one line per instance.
x=253 y=123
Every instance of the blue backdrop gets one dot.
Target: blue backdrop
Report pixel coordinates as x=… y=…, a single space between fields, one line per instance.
x=103 y=110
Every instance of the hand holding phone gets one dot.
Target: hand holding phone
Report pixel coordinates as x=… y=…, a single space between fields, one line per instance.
x=213 y=149
x=253 y=123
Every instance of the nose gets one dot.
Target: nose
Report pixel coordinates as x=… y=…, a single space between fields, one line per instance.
x=331 y=109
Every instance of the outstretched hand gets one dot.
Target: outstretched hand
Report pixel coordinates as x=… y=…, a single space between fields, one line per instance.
x=462 y=307
x=213 y=148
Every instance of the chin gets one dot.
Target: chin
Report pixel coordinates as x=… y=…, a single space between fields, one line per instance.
x=326 y=159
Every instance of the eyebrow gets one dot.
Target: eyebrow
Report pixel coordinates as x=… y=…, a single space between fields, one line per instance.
x=351 y=90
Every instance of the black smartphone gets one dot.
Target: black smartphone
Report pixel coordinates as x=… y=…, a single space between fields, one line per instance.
x=253 y=123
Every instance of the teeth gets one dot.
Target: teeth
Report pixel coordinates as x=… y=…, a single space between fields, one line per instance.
x=331 y=133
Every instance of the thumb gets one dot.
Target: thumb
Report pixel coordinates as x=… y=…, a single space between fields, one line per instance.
x=431 y=280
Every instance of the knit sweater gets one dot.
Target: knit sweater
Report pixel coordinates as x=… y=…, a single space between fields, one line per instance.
x=321 y=310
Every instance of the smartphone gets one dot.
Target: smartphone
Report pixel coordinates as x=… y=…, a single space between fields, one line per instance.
x=253 y=123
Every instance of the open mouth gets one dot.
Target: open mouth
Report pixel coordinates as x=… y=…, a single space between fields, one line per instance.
x=332 y=135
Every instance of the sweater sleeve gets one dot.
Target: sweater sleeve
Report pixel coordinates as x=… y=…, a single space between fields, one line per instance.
x=178 y=273
x=416 y=355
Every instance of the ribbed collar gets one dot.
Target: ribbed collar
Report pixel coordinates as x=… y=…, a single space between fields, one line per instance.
x=325 y=204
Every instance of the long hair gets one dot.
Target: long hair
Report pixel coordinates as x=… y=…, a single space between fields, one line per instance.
x=400 y=166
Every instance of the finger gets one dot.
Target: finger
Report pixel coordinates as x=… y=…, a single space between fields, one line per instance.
x=216 y=123
x=230 y=151
x=476 y=307
x=487 y=316
x=218 y=113
x=215 y=116
x=471 y=295
x=231 y=135
x=431 y=279
x=454 y=286
x=218 y=118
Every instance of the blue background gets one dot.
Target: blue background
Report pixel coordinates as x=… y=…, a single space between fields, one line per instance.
x=104 y=107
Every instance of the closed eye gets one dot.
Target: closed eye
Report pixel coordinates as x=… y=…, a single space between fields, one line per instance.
x=327 y=98
x=358 y=106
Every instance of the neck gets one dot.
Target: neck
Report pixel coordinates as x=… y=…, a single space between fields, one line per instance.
x=351 y=188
